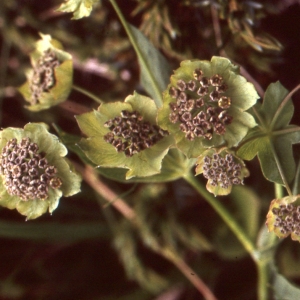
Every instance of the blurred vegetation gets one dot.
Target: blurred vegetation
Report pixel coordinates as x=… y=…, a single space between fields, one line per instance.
x=86 y=250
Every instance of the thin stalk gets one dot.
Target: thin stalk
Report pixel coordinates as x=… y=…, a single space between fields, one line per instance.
x=142 y=60
x=216 y=25
x=278 y=190
x=259 y=118
x=91 y=178
x=223 y=213
x=87 y=93
x=296 y=180
x=263 y=280
x=192 y=277
x=281 y=171
x=264 y=265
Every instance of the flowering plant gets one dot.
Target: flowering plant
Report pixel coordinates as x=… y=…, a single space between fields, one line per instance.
x=201 y=163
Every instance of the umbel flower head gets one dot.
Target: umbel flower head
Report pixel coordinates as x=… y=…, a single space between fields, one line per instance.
x=222 y=169
x=125 y=135
x=204 y=106
x=50 y=81
x=284 y=217
x=34 y=174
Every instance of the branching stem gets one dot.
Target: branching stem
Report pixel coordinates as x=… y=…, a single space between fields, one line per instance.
x=91 y=178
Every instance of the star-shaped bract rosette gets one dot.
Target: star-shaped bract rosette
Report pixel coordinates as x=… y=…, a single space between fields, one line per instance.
x=284 y=217
x=34 y=173
x=50 y=80
x=204 y=105
x=125 y=135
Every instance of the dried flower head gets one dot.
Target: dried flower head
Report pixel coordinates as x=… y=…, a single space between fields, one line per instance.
x=125 y=135
x=50 y=81
x=33 y=171
x=284 y=217
x=222 y=169
x=215 y=97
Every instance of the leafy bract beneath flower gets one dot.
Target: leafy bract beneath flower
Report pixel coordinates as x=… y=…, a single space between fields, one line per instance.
x=125 y=135
x=284 y=217
x=50 y=81
x=222 y=169
x=204 y=105
x=34 y=174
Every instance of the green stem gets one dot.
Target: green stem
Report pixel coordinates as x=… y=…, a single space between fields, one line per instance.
x=284 y=180
x=223 y=213
x=296 y=180
x=278 y=191
x=263 y=279
x=87 y=93
x=142 y=60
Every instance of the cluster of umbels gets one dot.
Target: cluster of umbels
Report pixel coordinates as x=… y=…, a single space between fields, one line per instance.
x=287 y=218
x=200 y=106
x=43 y=78
x=222 y=171
x=130 y=134
x=26 y=172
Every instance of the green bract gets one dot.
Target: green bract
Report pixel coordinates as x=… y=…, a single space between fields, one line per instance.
x=50 y=81
x=284 y=217
x=124 y=135
x=204 y=106
x=222 y=169
x=34 y=174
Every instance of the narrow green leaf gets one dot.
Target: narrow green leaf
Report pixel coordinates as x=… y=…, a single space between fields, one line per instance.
x=155 y=71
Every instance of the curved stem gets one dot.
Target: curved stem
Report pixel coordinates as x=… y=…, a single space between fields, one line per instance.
x=296 y=180
x=216 y=25
x=281 y=171
x=87 y=93
x=142 y=60
x=259 y=118
x=91 y=177
x=191 y=276
x=223 y=213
